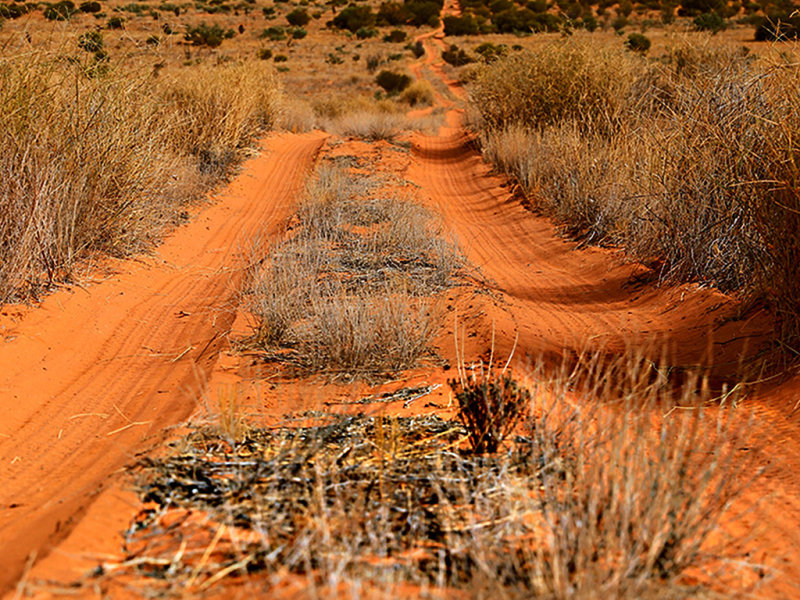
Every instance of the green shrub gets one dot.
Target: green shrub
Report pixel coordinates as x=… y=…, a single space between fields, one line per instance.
x=115 y=23
x=13 y=11
x=207 y=35
x=269 y=11
x=90 y=7
x=298 y=17
x=60 y=11
x=710 y=22
x=392 y=82
x=365 y=33
x=638 y=42
x=456 y=56
x=279 y=58
x=264 y=53
x=153 y=40
x=298 y=33
x=490 y=52
x=91 y=41
x=463 y=25
x=395 y=36
x=418 y=49
x=274 y=34
x=354 y=18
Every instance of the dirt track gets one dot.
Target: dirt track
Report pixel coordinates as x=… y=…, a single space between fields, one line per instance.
x=93 y=376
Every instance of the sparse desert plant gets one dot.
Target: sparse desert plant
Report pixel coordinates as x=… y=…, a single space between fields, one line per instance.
x=585 y=502
x=638 y=42
x=395 y=36
x=392 y=82
x=354 y=18
x=90 y=7
x=207 y=35
x=489 y=407
x=298 y=17
x=115 y=23
x=419 y=93
x=345 y=303
x=456 y=56
x=60 y=11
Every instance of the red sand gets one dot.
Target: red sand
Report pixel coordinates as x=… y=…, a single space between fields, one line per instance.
x=118 y=350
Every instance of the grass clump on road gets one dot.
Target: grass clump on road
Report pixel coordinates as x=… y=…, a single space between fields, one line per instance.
x=688 y=163
x=578 y=503
x=348 y=292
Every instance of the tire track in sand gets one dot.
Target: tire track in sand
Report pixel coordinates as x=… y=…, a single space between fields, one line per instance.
x=86 y=379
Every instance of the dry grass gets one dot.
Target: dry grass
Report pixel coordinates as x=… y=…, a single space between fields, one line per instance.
x=99 y=161
x=347 y=292
x=688 y=164
x=613 y=500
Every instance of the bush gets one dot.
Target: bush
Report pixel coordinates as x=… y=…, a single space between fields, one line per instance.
x=638 y=42
x=274 y=34
x=463 y=25
x=299 y=33
x=490 y=408
x=90 y=7
x=91 y=41
x=418 y=49
x=207 y=35
x=396 y=36
x=489 y=52
x=13 y=11
x=264 y=53
x=710 y=22
x=419 y=93
x=279 y=58
x=366 y=33
x=60 y=11
x=153 y=40
x=298 y=17
x=115 y=23
x=392 y=82
x=456 y=56
x=354 y=18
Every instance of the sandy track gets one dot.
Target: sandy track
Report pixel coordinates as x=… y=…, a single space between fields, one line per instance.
x=555 y=300
x=87 y=378
x=561 y=299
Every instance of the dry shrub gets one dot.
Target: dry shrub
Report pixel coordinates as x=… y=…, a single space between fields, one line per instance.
x=102 y=161
x=367 y=125
x=346 y=292
x=588 y=501
x=419 y=93
x=560 y=82
x=695 y=171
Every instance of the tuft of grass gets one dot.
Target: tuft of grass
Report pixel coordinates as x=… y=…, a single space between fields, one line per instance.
x=347 y=292
x=104 y=161
x=585 y=501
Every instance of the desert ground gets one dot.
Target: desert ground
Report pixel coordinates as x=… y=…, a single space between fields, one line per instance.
x=342 y=344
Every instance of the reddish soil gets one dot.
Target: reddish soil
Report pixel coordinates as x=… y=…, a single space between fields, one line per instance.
x=92 y=376
x=74 y=418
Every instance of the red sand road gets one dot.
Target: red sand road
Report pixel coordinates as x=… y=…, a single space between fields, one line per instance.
x=86 y=377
